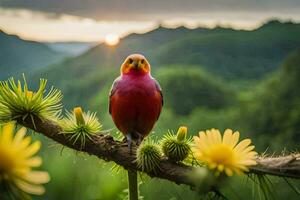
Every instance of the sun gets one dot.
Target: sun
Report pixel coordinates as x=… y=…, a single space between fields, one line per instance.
x=111 y=40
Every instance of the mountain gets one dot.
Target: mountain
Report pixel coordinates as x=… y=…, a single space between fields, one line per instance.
x=18 y=55
x=235 y=54
x=224 y=51
x=96 y=68
x=71 y=48
x=186 y=88
x=275 y=109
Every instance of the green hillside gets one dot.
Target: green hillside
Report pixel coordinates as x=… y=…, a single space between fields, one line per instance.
x=18 y=56
x=103 y=57
x=70 y=48
x=275 y=109
x=235 y=54
x=226 y=52
x=186 y=89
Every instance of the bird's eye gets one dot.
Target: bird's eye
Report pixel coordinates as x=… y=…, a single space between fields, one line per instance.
x=130 y=61
x=142 y=61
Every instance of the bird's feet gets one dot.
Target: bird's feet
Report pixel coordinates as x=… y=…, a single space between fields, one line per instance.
x=139 y=140
x=129 y=142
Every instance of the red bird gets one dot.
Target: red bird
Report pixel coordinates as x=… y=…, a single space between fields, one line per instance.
x=136 y=99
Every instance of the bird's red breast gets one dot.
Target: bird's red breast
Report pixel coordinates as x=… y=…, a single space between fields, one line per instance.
x=135 y=103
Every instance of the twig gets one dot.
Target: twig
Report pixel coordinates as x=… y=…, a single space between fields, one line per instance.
x=106 y=148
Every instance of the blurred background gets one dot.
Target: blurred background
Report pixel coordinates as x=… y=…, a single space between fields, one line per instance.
x=222 y=64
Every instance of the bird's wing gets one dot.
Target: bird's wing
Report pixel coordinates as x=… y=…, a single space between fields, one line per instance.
x=160 y=91
x=112 y=91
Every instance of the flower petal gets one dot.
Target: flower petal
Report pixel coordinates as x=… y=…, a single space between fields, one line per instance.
x=210 y=137
x=217 y=136
x=37 y=177
x=248 y=149
x=32 y=149
x=19 y=135
x=7 y=133
x=248 y=162
x=227 y=136
x=25 y=142
x=29 y=188
x=199 y=144
x=242 y=145
x=235 y=139
x=228 y=171
x=34 y=162
x=221 y=167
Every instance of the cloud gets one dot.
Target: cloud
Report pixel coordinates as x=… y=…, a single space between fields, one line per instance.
x=93 y=20
x=152 y=9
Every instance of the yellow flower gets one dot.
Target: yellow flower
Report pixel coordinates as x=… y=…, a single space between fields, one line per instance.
x=17 y=160
x=224 y=154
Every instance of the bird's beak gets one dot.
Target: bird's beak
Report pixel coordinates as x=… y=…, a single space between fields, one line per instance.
x=136 y=64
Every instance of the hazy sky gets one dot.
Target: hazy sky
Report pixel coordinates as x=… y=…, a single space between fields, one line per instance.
x=93 y=20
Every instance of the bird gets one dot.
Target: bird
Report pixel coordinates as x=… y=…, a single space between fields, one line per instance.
x=135 y=99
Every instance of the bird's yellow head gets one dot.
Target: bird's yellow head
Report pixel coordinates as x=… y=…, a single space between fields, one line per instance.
x=136 y=64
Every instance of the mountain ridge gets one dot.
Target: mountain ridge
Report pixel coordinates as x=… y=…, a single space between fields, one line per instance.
x=18 y=55
x=163 y=46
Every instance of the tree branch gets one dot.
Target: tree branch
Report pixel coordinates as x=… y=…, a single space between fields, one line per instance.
x=106 y=148
x=285 y=166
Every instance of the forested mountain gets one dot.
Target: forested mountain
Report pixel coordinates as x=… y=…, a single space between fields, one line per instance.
x=18 y=55
x=70 y=48
x=227 y=53
x=275 y=109
x=224 y=51
x=235 y=54
x=189 y=88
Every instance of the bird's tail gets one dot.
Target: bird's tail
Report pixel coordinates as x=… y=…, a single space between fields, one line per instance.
x=133 y=186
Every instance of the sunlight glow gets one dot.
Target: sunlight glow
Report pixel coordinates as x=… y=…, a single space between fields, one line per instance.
x=38 y=26
x=111 y=40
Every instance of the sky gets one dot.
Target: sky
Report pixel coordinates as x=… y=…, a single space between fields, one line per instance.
x=95 y=20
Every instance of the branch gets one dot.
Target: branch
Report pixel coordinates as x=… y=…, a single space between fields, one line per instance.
x=106 y=148
x=285 y=166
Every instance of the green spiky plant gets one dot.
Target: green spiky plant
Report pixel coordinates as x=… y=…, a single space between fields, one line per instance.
x=79 y=125
x=148 y=156
x=262 y=185
x=176 y=147
x=18 y=102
